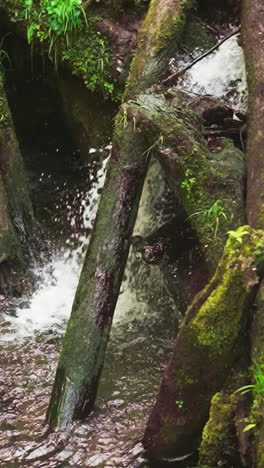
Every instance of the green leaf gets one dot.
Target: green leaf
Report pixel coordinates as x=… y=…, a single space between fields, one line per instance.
x=249 y=427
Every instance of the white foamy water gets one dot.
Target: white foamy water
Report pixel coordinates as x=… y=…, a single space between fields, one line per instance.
x=221 y=74
x=51 y=304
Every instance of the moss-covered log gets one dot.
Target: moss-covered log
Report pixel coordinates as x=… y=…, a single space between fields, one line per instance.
x=205 y=348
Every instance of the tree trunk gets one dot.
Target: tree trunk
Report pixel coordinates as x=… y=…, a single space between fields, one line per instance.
x=205 y=348
x=253 y=44
x=16 y=221
x=257 y=354
x=157 y=41
x=12 y=168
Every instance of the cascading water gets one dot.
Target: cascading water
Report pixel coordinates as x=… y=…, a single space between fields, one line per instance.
x=221 y=74
x=50 y=305
x=32 y=333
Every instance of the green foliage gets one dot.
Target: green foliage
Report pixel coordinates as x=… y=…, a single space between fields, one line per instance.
x=237 y=235
x=249 y=426
x=53 y=20
x=65 y=16
x=62 y=24
x=180 y=403
x=211 y=217
x=91 y=58
x=188 y=184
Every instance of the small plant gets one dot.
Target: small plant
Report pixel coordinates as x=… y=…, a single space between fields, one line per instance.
x=188 y=184
x=91 y=58
x=64 y=18
x=257 y=389
x=156 y=143
x=53 y=20
x=237 y=235
x=212 y=216
x=179 y=403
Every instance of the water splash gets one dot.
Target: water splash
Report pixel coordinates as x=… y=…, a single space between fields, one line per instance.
x=50 y=305
x=221 y=74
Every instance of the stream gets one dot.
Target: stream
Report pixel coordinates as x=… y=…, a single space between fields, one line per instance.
x=145 y=322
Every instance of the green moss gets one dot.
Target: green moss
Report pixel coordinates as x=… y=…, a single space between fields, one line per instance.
x=158 y=38
x=91 y=59
x=218 y=434
x=236 y=281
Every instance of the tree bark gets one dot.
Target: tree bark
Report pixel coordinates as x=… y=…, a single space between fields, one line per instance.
x=17 y=223
x=253 y=44
x=13 y=172
x=205 y=348
x=157 y=41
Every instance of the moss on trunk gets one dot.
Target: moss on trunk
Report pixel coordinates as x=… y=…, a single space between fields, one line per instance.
x=158 y=39
x=218 y=439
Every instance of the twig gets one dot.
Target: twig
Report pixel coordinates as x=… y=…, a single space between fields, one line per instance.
x=190 y=65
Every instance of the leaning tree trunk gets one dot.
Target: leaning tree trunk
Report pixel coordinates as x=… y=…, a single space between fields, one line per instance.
x=206 y=348
x=88 y=329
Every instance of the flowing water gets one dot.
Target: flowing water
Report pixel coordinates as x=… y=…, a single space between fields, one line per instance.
x=144 y=326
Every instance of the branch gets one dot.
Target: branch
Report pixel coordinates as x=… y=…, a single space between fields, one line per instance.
x=201 y=57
